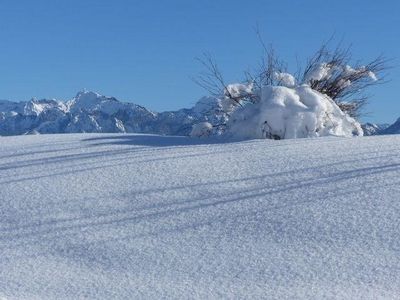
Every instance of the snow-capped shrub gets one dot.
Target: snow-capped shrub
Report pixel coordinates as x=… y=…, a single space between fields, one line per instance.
x=284 y=113
x=331 y=73
x=285 y=110
x=320 y=71
x=238 y=90
x=321 y=100
x=202 y=129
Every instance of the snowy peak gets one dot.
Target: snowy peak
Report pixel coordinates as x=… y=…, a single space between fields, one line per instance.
x=86 y=99
x=92 y=101
x=36 y=107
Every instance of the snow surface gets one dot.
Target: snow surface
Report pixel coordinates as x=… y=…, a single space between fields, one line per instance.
x=119 y=216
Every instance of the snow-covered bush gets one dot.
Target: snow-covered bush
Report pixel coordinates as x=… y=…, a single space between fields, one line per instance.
x=331 y=73
x=202 y=129
x=322 y=100
x=284 y=113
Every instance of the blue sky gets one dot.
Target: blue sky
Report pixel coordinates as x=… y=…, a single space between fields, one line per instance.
x=144 y=51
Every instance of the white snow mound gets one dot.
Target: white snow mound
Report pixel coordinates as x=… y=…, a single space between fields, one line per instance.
x=285 y=113
x=285 y=79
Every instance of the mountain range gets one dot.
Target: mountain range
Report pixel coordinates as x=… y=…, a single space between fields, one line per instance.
x=91 y=112
x=373 y=129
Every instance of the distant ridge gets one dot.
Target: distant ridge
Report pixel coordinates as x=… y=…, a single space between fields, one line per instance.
x=392 y=129
x=92 y=112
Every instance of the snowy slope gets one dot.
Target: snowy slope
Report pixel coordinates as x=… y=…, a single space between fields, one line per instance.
x=392 y=129
x=113 y=216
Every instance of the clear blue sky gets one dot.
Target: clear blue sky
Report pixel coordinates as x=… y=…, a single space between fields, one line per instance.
x=144 y=51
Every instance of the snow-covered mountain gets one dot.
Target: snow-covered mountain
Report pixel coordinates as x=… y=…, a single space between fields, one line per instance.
x=381 y=129
x=92 y=112
x=373 y=129
x=392 y=129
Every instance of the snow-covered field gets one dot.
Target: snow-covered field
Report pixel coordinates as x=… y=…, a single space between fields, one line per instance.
x=139 y=216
